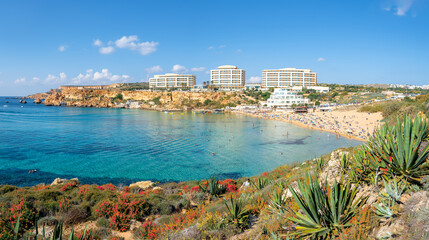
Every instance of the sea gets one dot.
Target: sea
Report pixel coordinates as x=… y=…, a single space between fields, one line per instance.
x=122 y=146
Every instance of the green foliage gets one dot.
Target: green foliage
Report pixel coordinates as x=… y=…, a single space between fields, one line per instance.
x=119 y=97
x=213 y=187
x=260 y=183
x=277 y=202
x=237 y=215
x=328 y=210
x=156 y=101
x=395 y=152
x=320 y=163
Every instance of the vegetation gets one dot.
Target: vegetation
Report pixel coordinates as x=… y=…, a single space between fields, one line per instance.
x=391 y=110
x=328 y=210
x=290 y=202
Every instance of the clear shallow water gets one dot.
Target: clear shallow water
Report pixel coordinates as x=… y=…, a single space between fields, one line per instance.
x=126 y=145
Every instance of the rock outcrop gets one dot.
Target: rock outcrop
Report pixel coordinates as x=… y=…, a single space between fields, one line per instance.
x=58 y=181
x=147 y=99
x=143 y=185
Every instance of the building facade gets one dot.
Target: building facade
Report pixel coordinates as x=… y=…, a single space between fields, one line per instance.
x=286 y=77
x=282 y=97
x=318 y=89
x=172 y=80
x=227 y=77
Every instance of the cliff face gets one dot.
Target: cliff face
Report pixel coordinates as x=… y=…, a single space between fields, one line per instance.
x=146 y=99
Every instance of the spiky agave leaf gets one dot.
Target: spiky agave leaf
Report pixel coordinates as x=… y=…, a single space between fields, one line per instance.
x=327 y=209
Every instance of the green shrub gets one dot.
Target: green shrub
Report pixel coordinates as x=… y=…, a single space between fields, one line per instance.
x=103 y=222
x=49 y=195
x=7 y=188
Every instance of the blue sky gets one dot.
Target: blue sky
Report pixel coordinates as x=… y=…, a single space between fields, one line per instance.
x=44 y=44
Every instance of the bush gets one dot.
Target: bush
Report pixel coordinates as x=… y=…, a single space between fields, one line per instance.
x=74 y=216
x=7 y=188
x=103 y=222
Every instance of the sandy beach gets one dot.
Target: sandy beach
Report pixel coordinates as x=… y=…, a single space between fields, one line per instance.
x=347 y=123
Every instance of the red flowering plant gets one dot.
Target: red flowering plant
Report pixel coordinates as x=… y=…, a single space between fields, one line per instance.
x=83 y=190
x=126 y=209
x=104 y=209
x=231 y=185
x=68 y=186
x=149 y=230
x=108 y=187
x=177 y=222
x=64 y=205
x=26 y=213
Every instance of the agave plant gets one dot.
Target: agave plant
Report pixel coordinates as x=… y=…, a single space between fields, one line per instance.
x=213 y=187
x=327 y=209
x=261 y=183
x=320 y=163
x=237 y=215
x=57 y=233
x=393 y=190
x=277 y=201
x=384 y=210
x=396 y=151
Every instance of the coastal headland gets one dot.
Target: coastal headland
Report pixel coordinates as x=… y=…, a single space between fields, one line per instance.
x=174 y=100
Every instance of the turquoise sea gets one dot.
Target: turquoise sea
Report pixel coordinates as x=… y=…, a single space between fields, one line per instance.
x=121 y=146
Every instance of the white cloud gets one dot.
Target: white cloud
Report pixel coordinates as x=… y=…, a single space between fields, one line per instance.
x=198 y=69
x=20 y=81
x=154 y=69
x=179 y=69
x=107 y=50
x=321 y=59
x=132 y=43
x=103 y=77
x=51 y=79
x=97 y=43
x=210 y=48
x=254 y=79
x=239 y=50
x=222 y=46
x=400 y=7
x=62 y=48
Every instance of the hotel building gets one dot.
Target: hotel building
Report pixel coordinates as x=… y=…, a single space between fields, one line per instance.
x=172 y=80
x=286 y=77
x=227 y=77
x=285 y=98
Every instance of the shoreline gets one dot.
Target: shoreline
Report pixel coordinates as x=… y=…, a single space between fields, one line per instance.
x=351 y=120
x=302 y=125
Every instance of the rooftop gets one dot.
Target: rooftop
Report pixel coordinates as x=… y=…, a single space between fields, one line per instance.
x=227 y=67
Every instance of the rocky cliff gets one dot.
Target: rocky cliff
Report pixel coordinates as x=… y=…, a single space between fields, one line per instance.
x=145 y=99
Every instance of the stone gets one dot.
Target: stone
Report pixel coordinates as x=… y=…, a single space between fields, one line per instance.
x=58 y=181
x=142 y=185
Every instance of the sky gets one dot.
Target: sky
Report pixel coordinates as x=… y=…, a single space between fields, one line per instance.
x=44 y=44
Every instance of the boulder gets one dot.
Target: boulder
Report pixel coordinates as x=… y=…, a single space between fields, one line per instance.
x=58 y=181
x=142 y=185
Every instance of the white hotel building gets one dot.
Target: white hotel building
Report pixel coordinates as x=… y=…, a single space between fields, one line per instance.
x=227 y=77
x=286 y=77
x=285 y=98
x=172 y=80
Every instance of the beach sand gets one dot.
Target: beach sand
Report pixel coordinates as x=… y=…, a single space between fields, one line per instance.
x=347 y=123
